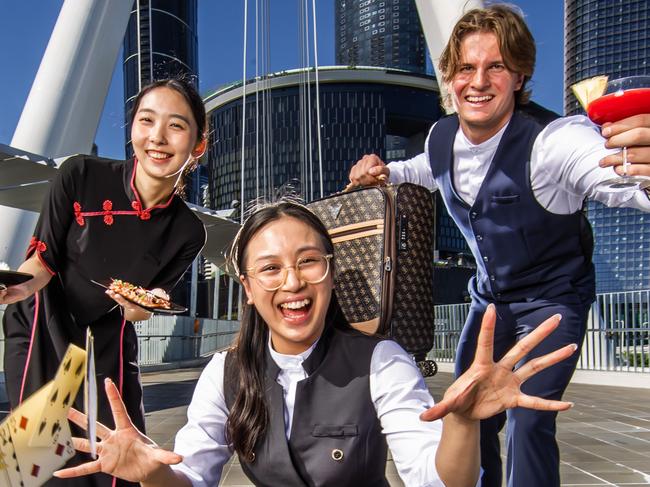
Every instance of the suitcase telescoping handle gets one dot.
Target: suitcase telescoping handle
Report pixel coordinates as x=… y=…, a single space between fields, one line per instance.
x=382 y=178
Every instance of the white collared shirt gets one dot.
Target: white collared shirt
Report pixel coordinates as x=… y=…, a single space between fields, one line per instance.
x=397 y=389
x=564 y=167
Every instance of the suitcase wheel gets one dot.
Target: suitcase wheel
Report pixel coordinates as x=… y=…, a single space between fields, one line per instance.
x=428 y=368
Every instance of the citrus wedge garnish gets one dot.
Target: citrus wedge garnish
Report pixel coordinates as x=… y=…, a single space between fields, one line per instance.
x=589 y=89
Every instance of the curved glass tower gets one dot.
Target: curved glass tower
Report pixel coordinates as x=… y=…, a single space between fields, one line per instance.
x=612 y=38
x=362 y=111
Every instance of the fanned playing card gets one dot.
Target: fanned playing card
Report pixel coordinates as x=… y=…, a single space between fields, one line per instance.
x=90 y=394
x=61 y=395
x=37 y=463
x=9 y=469
x=36 y=436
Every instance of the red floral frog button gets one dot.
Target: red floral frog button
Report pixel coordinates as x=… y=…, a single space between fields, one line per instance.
x=107 y=206
x=34 y=243
x=77 y=214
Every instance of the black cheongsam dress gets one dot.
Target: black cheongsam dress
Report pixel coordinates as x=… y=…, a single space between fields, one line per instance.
x=93 y=226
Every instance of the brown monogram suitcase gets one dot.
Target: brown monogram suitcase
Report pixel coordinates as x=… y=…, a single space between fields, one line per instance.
x=383 y=245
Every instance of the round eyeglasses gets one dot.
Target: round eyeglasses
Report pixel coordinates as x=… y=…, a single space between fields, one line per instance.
x=271 y=276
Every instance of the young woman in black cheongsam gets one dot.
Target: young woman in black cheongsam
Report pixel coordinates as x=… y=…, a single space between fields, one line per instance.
x=102 y=219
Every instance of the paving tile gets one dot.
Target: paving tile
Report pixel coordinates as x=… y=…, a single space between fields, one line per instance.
x=625 y=478
x=580 y=478
x=603 y=440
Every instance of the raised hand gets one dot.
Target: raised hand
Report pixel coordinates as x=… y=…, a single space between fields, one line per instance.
x=487 y=388
x=124 y=452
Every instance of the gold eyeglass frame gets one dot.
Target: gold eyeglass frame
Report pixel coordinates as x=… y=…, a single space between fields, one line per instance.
x=327 y=257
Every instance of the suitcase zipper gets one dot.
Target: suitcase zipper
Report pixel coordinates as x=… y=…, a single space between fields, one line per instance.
x=388 y=279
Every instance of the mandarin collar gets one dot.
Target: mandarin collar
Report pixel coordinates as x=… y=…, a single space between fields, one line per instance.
x=128 y=180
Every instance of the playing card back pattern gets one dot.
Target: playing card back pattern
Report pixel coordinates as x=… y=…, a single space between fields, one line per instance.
x=383 y=246
x=35 y=439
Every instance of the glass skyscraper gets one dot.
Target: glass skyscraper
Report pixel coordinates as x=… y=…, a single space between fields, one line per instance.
x=383 y=33
x=160 y=42
x=610 y=37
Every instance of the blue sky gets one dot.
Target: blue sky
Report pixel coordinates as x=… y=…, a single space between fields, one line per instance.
x=26 y=25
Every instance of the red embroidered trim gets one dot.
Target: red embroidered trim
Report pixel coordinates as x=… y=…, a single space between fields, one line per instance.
x=137 y=205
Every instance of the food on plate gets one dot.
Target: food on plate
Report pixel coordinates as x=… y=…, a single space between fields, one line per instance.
x=138 y=295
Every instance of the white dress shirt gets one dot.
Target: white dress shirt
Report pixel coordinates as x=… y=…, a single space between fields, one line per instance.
x=398 y=393
x=564 y=167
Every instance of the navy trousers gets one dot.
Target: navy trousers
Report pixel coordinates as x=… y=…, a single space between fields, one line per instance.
x=533 y=455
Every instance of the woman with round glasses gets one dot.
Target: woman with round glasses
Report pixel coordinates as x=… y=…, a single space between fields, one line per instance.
x=304 y=399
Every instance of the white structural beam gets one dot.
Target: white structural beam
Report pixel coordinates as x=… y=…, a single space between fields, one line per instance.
x=438 y=18
x=65 y=103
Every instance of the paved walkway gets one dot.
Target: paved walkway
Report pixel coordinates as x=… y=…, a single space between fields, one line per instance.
x=604 y=439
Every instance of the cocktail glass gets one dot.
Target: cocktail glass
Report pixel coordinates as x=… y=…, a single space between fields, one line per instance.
x=624 y=97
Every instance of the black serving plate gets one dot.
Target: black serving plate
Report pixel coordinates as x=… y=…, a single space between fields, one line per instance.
x=174 y=309
x=11 y=278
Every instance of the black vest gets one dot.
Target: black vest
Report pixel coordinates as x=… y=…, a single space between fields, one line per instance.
x=336 y=437
x=522 y=250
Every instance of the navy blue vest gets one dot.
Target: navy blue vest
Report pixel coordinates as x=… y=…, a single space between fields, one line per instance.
x=522 y=250
x=336 y=437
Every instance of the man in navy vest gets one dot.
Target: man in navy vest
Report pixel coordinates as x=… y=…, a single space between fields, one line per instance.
x=515 y=186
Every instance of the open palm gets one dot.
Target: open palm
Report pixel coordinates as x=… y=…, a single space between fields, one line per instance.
x=488 y=388
x=124 y=452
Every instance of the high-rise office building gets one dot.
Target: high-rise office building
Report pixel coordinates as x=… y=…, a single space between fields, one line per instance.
x=160 y=42
x=383 y=33
x=612 y=38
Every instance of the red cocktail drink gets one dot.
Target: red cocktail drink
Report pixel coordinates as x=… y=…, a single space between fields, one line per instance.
x=623 y=98
x=619 y=105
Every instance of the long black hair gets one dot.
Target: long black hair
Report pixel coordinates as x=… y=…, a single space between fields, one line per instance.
x=248 y=416
x=195 y=102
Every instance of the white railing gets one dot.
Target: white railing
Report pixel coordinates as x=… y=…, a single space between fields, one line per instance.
x=168 y=340
x=175 y=339
x=617 y=337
